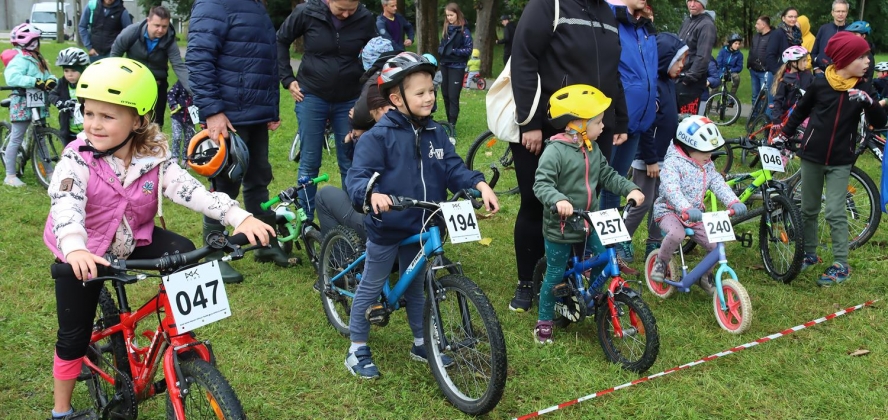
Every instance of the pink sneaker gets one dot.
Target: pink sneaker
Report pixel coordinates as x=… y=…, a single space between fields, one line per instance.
x=543 y=332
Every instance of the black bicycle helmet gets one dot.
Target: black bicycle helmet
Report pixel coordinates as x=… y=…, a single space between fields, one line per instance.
x=734 y=37
x=397 y=68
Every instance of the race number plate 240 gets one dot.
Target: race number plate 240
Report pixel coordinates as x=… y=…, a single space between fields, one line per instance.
x=461 y=221
x=197 y=296
x=718 y=227
x=609 y=226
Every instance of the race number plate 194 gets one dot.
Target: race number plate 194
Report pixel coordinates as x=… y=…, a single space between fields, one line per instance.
x=718 y=227
x=609 y=226
x=197 y=296
x=461 y=221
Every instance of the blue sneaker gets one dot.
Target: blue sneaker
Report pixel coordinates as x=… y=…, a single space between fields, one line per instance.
x=834 y=274
x=810 y=260
x=360 y=363
x=625 y=251
x=418 y=353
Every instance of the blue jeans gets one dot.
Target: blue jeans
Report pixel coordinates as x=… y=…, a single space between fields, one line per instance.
x=621 y=158
x=312 y=114
x=757 y=78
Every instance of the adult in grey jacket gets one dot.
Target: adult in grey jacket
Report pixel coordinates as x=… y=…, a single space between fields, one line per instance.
x=153 y=43
x=698 y=32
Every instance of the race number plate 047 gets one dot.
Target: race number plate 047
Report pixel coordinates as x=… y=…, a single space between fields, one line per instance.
x=609 y=226
x=718 y=227
x=461 y=221
x=197 y=296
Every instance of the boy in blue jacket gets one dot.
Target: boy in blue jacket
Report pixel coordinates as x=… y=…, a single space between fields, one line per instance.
x=414 y=158
x=731 y=58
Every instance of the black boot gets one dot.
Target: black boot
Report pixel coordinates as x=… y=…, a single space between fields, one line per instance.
x=229 y=274
x=274 y=253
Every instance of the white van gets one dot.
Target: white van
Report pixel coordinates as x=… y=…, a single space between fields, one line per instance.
x=44 y=16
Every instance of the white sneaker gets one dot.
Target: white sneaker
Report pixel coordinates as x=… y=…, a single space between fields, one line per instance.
x=13 y=181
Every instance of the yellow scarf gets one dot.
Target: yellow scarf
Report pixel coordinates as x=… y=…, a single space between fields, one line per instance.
x=837 y=82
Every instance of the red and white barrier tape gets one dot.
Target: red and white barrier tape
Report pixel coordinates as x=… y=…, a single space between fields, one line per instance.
x=697 y=362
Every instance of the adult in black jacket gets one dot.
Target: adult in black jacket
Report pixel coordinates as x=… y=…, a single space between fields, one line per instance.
x=100 y=23
x=785 y=35
x=153 y=43
x=583 y=49
x=508 y=35
x=827 y=30
x=758 y=73
x=698 y=32
x=327 y=84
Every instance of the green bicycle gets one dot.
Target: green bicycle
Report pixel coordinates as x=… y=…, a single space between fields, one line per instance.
x=293 y=223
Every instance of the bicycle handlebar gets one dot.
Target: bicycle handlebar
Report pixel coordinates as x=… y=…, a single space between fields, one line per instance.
x=289 y=195
x=403 y=203
x=750 y=143
x=585 y=214
x=119 y=267
x=685 y=217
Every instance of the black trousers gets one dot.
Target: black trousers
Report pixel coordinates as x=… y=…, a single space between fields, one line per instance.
x=76 y=304
x=160 y=107
x=258 y=174
x=451 y=87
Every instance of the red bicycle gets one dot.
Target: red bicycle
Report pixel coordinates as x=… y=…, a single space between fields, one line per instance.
x=120 y=366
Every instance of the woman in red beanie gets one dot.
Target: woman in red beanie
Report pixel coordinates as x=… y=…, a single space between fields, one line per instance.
x=834 y=104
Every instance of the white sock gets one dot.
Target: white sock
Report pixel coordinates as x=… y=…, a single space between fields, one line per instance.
x=355 y=346
x=418 y=342
x=70 y=411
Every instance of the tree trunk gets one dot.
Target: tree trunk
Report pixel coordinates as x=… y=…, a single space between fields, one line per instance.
x=427 y=29
x=485 y=35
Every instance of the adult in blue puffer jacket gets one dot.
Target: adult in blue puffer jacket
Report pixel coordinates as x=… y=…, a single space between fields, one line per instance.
x=232 y=70
x=638 y=72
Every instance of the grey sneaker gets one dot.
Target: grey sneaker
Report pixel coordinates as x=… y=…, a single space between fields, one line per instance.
x=625 y=251
x=13 y=181
x=658 y=272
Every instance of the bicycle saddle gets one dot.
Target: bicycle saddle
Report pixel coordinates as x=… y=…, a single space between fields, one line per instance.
x=5 y=103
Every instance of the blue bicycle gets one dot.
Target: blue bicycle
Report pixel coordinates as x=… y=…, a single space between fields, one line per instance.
x=730 y=300
x=459 y=320
x=627 y=330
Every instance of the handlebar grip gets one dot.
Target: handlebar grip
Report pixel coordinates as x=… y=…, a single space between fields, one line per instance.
x=321 y=178
x=240 y=239
x=267 y=205
x=59 y=270
x=631 y=203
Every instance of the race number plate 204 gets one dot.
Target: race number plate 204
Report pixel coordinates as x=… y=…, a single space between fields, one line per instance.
x=197 y=296
x=461 y=221
x=718 y=227
x=609 y=226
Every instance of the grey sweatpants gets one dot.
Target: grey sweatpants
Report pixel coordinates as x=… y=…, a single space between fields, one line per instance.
x=835 y=178
x=16 y=137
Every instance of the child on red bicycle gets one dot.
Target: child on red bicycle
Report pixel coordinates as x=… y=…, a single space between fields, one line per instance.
x=104 y=195
x=687 y=173
x=790 y=82
x=414 y=158
x=570 y=169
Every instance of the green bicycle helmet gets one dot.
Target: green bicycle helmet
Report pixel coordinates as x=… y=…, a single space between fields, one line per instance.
x=120 y=81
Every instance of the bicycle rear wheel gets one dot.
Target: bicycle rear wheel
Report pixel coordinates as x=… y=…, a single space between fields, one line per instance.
x=47 y=151
x=723 y=108
x=340 y=248
x=487 y=152
x=209 y=396
x=5 y=132
x=469 y=334
x=780 y=239
x=639 y=345
x=862 y=204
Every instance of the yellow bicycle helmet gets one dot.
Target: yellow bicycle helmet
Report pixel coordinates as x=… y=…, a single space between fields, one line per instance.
x=120 y=81
x=576 y=102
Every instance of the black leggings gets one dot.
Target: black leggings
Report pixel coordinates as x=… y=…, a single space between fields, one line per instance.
x=76 y=304
x=529 y=247
x=451 y=87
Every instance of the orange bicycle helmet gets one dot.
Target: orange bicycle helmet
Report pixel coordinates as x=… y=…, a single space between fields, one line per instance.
x=206 y=157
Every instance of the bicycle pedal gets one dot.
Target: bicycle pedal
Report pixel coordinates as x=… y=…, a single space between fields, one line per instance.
x=745 y=239
x=377 y=314
x=561 y=290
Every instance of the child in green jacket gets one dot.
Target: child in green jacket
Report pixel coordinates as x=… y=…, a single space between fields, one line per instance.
x=570 y=169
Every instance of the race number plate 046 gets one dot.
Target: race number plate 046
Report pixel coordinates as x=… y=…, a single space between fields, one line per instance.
x=461 y=221
x=197 y=296
x=772 y=160
x=718 y=227
x=609 y=226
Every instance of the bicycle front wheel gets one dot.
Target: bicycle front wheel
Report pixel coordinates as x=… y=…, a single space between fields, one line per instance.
x=636 y=349
x=470 y=335
x=737 y=317
x=780 y=239
x=488 y=152
x=209 y=394
x=340 y=248
x=47 y=151
x=723 y=108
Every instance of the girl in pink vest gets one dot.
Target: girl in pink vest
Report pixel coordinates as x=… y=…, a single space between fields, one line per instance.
x=105 y=192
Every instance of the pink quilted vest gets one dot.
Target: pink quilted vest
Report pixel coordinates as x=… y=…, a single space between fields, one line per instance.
x=108 y=203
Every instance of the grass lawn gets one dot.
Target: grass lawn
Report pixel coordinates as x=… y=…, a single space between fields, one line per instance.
x=285 y=361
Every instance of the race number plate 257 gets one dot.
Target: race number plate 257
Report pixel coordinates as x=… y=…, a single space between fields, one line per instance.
x=609 y=226
x=718 y=227
x=197 y=296
x=461 y=221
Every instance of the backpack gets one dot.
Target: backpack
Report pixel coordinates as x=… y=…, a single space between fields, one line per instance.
x=501 y=114
x=7 y=55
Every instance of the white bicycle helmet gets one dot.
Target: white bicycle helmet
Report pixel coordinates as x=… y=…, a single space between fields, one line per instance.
x=794 y=53
x=699 y=133
x=882 y=66
x=72 y=56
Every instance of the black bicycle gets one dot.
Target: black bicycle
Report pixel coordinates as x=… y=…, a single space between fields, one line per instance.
x=723 y=108
x=42 y=145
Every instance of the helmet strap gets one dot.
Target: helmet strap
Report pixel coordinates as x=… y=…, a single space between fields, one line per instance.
x=420 y=121
x=98 y=154
x=575 y=129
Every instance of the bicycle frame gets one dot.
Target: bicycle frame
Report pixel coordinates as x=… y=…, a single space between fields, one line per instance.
x=294 y=221
x=611 y=269
x=716 y=256
x=165 y=343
